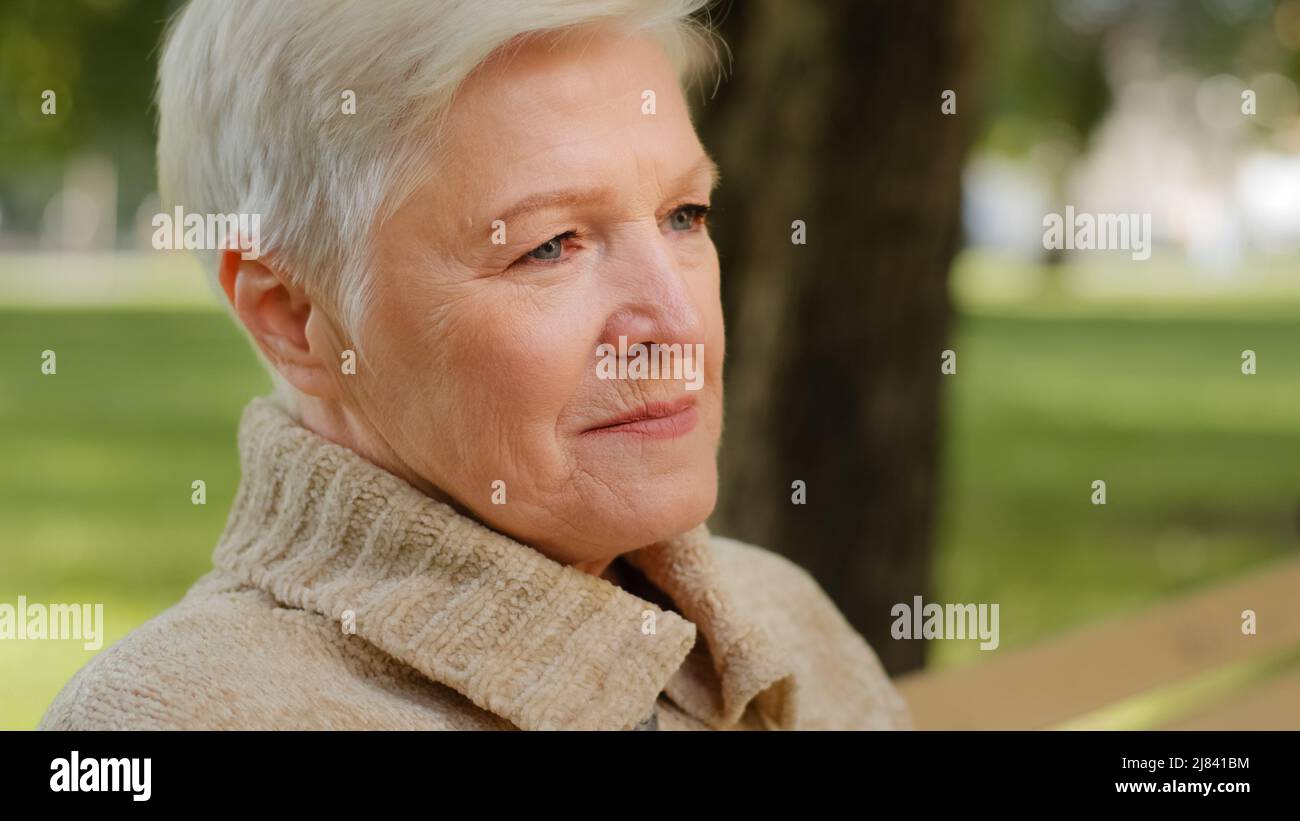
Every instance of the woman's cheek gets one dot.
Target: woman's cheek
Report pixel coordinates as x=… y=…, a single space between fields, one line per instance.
x=522 y=367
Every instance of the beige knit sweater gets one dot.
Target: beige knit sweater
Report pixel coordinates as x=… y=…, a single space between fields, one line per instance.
x=341 y=597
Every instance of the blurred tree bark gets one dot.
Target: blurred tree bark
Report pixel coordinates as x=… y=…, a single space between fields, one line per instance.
x=831 y=115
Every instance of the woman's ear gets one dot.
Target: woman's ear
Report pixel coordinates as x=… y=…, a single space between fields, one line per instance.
x=276 y=313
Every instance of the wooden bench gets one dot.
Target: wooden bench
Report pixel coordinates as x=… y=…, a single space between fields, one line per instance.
x=1182 y=665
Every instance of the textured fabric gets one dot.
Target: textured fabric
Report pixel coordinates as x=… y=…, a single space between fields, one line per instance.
x=342 y=597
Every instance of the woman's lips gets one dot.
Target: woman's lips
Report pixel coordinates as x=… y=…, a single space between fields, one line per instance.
x=654 y=420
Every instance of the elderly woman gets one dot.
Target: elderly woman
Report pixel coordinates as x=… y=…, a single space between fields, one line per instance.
x=452 y=513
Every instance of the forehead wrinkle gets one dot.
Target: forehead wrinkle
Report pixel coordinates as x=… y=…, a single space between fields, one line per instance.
x=572 y=154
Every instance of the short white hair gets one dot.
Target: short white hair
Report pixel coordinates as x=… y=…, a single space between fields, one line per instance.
x=251 y=120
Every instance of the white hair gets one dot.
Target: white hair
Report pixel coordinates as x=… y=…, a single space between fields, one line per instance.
x=251 y=116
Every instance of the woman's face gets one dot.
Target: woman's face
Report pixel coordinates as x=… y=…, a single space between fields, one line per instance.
x=484 y=345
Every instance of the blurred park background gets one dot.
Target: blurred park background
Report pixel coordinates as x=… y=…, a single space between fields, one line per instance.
x=925 y=234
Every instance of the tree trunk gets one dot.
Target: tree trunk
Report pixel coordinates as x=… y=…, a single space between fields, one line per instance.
x=832 y=116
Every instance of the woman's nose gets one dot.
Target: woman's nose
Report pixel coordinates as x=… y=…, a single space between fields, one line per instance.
x=655 y=298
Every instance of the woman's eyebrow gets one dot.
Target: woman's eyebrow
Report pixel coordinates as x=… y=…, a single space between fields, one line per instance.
x=555 y=199
x=561 y=197
x=706 y=164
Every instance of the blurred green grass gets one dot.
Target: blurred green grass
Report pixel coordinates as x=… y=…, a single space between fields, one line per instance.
x=1199 y=461
x=98 y=461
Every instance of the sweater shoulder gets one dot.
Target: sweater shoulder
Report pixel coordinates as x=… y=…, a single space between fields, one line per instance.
x=229 y=656
x=843 y=682
x=135 y=683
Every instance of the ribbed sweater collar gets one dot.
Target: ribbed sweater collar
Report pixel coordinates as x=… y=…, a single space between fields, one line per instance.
x=537 y=642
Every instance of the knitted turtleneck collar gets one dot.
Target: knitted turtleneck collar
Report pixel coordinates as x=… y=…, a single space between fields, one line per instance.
x=539 y=643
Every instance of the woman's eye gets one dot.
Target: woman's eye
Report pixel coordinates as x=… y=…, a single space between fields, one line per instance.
x=550 y=250
x=687 y=217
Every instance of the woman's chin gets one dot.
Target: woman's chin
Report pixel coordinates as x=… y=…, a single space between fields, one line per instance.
x=660 y=508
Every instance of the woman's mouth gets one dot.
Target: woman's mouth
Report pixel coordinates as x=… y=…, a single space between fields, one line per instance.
x=654 y=420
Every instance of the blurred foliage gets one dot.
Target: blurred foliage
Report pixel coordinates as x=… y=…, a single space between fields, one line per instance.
x=1038 y=77
x=99 y=57
x=1043 y=77
x=1044 y=68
